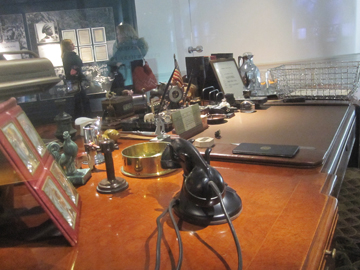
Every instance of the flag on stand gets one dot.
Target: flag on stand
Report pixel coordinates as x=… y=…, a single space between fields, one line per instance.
x=177 y=78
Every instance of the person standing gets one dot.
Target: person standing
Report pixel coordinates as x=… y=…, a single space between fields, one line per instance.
x=128 y=48
x=72 y=66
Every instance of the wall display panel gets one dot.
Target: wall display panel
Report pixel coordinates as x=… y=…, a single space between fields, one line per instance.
x=12 y=35
x=72 y=19
x=51 y=52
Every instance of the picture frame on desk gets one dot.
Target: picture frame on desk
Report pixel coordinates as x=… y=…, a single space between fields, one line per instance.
x=30 y=131
x=59 y=202
x=21 y=149
x=68 y=187
x=26 y=153
x=228 y=77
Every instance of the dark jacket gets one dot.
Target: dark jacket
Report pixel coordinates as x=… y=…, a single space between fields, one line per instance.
x=72 y=61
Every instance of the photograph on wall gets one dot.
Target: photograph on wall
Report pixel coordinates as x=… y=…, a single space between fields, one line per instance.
x=69 y=34
x=98 y=35
x=9 y=33
x=86 y=54
x=51 y=52
x=31 y=132
x=18 y=143
x=84 y=36
x=60 y=203
x=10 y=46
x=12 y=29
x=46 y=33
x=64 y=182
x=101 y=52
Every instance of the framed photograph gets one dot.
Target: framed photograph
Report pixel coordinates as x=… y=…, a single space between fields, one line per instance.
x=30 y=131
x=9 y=33
x=51 y=52
x=86 y=54
x=10 y=46
x=46 y=33
x=98 y=35
x=69 y=34
x=64 y=182
x=101 y=52
x=59 y=201
x=44 y=178
x=20 y=146
x=84 y=37
x=228 y=77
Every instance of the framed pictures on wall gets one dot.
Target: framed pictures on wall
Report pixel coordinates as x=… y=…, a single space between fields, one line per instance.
x=86 y=54
x=70 y=34
x=46 y=32
x=98 y=35
x=101 y=52
x=84 y=37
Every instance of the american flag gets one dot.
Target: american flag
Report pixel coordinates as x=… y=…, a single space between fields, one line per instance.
x=177 y=78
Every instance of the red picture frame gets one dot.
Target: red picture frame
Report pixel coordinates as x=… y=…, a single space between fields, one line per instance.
x=47 y=182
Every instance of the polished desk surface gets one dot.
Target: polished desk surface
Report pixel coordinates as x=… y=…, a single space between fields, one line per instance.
x=284 y=223
x=310 y=127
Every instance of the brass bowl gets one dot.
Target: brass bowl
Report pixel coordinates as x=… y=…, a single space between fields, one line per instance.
x=143 y=160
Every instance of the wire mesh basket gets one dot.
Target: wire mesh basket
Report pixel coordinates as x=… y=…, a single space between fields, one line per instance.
x=317 y=80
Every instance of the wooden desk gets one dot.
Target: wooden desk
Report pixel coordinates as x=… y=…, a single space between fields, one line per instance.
x=286 y=222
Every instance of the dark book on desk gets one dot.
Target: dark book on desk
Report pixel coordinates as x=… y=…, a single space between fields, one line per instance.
x=274 y=150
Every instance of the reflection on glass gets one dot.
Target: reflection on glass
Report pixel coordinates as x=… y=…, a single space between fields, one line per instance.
x=32 y=133
x=22 y=149
x=64 y=182
x=59 y=202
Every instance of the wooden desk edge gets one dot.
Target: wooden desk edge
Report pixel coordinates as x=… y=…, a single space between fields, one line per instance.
x=323 y=235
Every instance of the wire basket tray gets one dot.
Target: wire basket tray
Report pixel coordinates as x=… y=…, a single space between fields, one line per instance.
x=317 y=80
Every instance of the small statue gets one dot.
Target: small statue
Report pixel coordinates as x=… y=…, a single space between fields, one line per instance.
x=67 y=158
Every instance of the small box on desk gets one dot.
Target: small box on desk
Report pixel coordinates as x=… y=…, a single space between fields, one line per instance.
x=118 y=107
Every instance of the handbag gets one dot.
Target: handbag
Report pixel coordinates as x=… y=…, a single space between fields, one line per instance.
x=72 y=87
x=143 y=77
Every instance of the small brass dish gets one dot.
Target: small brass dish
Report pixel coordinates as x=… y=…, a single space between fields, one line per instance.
x=143 y=160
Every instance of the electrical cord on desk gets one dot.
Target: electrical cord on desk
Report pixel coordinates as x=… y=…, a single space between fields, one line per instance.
x=218 y=193
x=160 y=232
